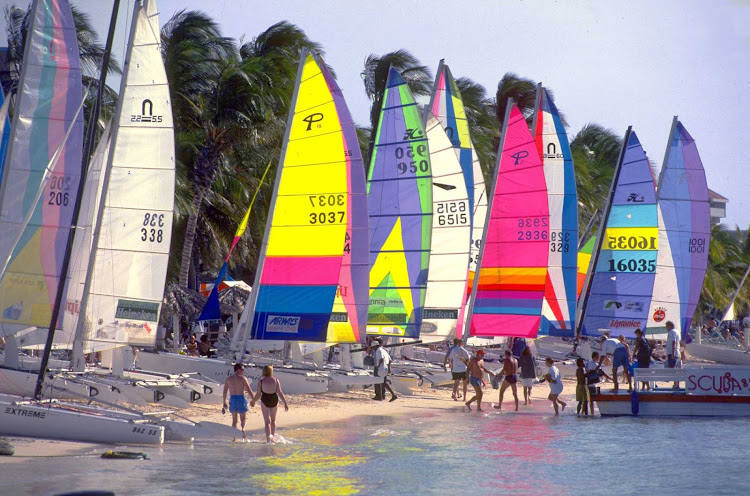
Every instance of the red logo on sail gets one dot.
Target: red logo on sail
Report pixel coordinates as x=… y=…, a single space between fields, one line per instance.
x=659 y=315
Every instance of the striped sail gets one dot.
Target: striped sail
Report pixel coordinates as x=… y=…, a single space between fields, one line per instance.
x=584 y=263
x=127 y=268
x=50 y=93
x=560 y=293
x=513 y=259
x=399 y=187
x=349 y=318
x=451 y=238
x=4 y=130
x=305 y=240
x=684 y=234
x=448 y=107
x=620 y=286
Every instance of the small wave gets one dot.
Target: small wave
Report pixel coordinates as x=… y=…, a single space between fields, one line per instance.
x=279 y=439
x=385 y=433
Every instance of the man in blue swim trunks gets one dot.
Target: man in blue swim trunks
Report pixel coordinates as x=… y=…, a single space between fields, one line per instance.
x=236 y=385
x=620 y=358
x=476 y=368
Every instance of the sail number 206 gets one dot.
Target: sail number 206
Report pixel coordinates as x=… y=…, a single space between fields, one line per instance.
x=152 y=228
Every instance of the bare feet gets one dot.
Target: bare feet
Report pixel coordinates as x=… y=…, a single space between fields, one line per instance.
x=479 y=409
x=497 y=407
x=468 y=405
x=563 y=406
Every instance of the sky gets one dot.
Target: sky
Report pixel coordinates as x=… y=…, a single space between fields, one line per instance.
x=609 y=62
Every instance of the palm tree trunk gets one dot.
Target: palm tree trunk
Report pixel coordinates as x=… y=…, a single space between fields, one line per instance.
x=192 y=224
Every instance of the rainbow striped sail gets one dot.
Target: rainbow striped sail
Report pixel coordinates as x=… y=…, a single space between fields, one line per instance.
x=619 y=289
x=50 y=94
x=560 y=294
x=349 y=318
x=448 y=106
x=684 y=235
x=4 y=130
x=513 y=259
x=399 y=187
x=584 y=263
x=305 y=240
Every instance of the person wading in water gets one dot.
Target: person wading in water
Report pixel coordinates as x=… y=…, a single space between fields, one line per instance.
x=510 y=371
x=269 y=392
x=236 y=385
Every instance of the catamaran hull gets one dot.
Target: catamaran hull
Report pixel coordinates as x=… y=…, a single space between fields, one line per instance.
x=292 y=381
x=719 y=354
x=676 y=404
x=55 y=421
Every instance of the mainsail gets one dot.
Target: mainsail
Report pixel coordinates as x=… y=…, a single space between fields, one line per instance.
x=560 y=294
x=684 y=234
x=127 y=268
x=305 y=239
x=513 y=259
x=584 y=262
x=400 y=204
x=49 y=95
x=448 y=106
x=451 y=238
x=4 y=130
x=619 y=287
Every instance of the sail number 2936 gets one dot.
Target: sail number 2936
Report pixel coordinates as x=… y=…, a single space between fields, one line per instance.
x=152 y=228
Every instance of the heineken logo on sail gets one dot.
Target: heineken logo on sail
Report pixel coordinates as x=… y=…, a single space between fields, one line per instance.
x=137 y=310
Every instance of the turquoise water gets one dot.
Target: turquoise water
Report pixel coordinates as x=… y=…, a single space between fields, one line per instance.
x=444 y=453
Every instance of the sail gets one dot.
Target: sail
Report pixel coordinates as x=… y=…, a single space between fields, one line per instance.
x=4 y=130
x=620 y=289
x=451 y=238
x=684 y=234
x=348 y=322
x=49 y=96
x=400 y=205
x=448 y=106
x=513 y=260
x=305 y=239
x=584 y=262
x=560 y=293
x=127 y=268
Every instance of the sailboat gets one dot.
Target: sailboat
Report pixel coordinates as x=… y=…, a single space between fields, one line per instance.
x=49 y=98
x=448 y=106
x=512 y=267
x=617 y=290
x=684 y=235
x=560 y=296
x=399 y=188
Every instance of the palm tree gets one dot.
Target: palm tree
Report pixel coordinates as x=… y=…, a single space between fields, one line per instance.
x=521 y=90
x=484 y=127
x=375 y=76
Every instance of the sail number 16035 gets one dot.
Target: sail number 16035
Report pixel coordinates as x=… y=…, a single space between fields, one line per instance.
x=152 y=228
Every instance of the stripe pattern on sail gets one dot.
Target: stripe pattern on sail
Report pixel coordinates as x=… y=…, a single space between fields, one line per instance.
x=623 y=278
x=513 y=261
x=301 y=259
x=559 y=307
x=400 y=209
x=4 y=130
x=50 y=93
x=684 y=235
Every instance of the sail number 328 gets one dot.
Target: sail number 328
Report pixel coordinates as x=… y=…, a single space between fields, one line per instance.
x=152 y=228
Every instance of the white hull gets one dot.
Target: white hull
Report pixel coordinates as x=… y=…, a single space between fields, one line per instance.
x=673 y=405
x=73 y=423
x=719 y=354
x=293 y=381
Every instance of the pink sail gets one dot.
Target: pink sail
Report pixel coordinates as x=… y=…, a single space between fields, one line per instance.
x=512 y=266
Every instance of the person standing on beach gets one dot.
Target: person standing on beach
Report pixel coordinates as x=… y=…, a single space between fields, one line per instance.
x=458 y=357
x=555 y=385
x=269 y=392
x=476 y=369
x=236 y=385
x=510 y=371
x=382 y=369
x=528 y=374
x=620 y=358
x=581 y=390
x=673 y=348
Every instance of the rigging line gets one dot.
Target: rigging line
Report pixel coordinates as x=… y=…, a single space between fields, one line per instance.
x=45 y=179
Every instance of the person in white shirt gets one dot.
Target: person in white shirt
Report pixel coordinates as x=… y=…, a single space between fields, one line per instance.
x=382 y=369
x=555 y=385
x=673 y=349
x=458 y=357
x=620 y=358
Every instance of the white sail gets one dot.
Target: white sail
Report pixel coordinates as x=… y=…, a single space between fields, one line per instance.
x=451 y=238
x=124 y=285
x=665 y=303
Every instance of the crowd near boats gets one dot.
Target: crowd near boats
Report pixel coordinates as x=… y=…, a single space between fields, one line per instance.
x=417 y=251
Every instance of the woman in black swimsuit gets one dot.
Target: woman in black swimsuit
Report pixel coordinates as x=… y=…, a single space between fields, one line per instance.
x=269 y=391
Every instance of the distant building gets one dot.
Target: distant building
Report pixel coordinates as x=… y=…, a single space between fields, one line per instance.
x=718 y=206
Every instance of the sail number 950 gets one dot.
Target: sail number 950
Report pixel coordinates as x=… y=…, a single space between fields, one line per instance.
x=411 y=159
x=326 y=202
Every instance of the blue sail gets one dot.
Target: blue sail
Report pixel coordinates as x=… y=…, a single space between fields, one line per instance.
x=5 y=135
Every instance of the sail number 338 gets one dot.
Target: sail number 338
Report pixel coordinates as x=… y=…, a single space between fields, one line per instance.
x=152 y=230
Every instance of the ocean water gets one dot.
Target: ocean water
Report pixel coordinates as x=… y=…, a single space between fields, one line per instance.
x=450 y=452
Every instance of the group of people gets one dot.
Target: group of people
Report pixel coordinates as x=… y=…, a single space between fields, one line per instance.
x=471 y=369
x=269 y=392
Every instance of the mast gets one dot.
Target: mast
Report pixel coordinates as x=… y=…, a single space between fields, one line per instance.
x=490 y=202
x=600 y=236
x=583 y=239
x=735 y=294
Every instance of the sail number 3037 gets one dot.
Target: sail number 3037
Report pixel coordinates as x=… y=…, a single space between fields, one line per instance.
x=152 y=228
x=326 y=202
